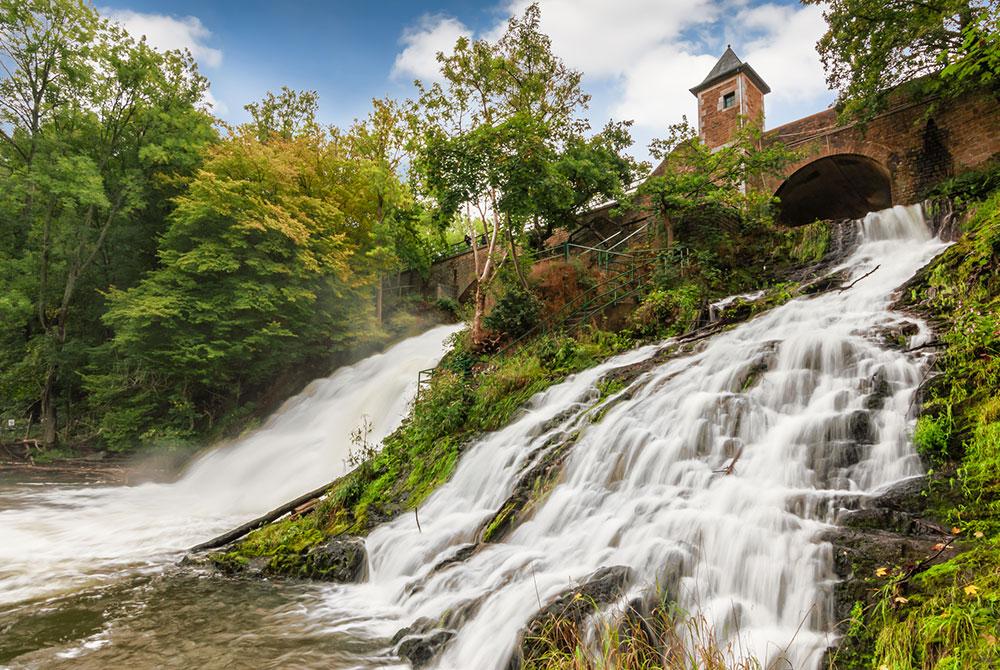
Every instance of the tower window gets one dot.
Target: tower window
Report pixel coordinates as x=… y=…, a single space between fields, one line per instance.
x=729 y=100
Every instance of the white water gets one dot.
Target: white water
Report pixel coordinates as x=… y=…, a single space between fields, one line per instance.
x=640 y=486
x=56 y=539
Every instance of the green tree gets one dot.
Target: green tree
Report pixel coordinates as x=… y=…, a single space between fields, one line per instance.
x=694 y=183
x=500 y=145
x=92 y=124
x=872 y=46
x=269 y=263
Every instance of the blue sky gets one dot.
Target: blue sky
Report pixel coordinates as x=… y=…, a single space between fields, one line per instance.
x=639 y=57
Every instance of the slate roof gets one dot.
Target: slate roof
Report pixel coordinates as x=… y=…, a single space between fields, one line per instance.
x=730 y=65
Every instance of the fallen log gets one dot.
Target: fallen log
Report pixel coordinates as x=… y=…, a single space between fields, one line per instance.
x=273 y=515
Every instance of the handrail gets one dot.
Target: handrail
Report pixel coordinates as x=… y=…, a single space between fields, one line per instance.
x=630 y=236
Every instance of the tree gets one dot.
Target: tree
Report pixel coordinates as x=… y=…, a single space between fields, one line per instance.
x=500 y=144
x=695 y=183
x=89 y=119
x=267 y=265
x=872 y=46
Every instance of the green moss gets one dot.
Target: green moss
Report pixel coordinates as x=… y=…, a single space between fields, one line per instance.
x=947 y=616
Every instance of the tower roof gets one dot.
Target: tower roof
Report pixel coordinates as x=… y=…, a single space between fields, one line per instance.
x=730 y=65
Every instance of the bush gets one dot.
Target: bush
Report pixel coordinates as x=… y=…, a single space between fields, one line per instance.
x=516 y=312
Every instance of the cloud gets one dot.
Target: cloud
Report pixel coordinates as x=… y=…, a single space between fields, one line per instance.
x=432 y=34
x=640 y=57
x=604 y=38
x=781 y=45
x=167 y=32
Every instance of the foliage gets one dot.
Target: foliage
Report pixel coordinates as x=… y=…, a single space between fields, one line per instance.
x=668 y=312
x=695 y=185
x=266 y=264
x=945 y=616
x=872 y=46
x=500 y=145
x=97 y=132
x=663 y=639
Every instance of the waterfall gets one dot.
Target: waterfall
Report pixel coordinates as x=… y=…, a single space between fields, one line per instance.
x=56 y=538
x=805 y=402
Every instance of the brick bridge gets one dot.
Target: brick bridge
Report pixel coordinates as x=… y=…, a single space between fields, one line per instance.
x=845 y=170
x=849 y=170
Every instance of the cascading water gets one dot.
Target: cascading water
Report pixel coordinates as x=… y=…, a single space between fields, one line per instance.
x=55 y=539
x=804 y=403
x=711 y=477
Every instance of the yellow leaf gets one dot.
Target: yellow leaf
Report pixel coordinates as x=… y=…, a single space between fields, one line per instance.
x=938 y=547
x=901 y=600
x=955 y=530
x=881 y=572
x=971 y=590
x=978 y=534
x=989 y=637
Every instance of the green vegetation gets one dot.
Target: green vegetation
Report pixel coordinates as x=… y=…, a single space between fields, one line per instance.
x=664 y=639
x=944 y=615
x=502 y=147
x=161 y=283
x=873 y=46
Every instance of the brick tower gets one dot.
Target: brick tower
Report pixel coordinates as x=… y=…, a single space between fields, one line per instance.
x=731 y=94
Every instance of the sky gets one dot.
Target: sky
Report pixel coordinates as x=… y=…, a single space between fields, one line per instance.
x=639 y=57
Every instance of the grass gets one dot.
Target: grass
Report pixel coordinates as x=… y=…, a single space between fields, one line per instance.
x=947 y=616
x=625 y=639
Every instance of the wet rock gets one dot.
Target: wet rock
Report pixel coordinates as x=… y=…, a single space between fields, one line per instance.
x=420 y=650
x=560 y=621
x=338 y=560
x=897 y=336
x=861 y=427
x=888 y=530
x=826 y=283
x=881 y=390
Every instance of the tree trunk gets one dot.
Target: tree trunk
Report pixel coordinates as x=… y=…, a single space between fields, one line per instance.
x=478 y=335
x=517 y=263
x=378 y=300
x=48 y=409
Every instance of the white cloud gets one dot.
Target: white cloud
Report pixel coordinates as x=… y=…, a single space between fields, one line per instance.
x=433 y=34
x=654 y=91
x=640 y=57
x=781 y=46
x=167 y=32
x=603 y=38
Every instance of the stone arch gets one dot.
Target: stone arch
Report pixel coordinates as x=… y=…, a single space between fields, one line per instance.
x=834 y=186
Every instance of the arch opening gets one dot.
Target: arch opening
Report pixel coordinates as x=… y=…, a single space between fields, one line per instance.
x=843 y=186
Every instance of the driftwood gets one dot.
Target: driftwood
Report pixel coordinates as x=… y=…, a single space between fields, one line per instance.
x=851 y=285
x=273 y=515
x=933 y=343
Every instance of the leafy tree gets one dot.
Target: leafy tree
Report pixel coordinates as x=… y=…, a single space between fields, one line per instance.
x=500 y=145
x=872 y=46
x=93 y=125
x=694 y=183
x=268 y=263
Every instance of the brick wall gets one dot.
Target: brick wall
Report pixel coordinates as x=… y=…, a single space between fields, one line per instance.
x=919 y=143
x=716 y=125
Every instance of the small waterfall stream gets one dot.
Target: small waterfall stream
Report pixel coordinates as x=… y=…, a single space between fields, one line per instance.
x=59 y=538
x=788 y=398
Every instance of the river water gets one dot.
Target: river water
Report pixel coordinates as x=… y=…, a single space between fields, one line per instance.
x=785 y=399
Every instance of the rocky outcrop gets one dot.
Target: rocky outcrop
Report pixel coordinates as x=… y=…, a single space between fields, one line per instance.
x=888 y=530
x=561 y=621
x=340 y=559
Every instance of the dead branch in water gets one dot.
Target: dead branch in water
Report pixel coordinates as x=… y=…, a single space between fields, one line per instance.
x=851 y=285
x=729 y=469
